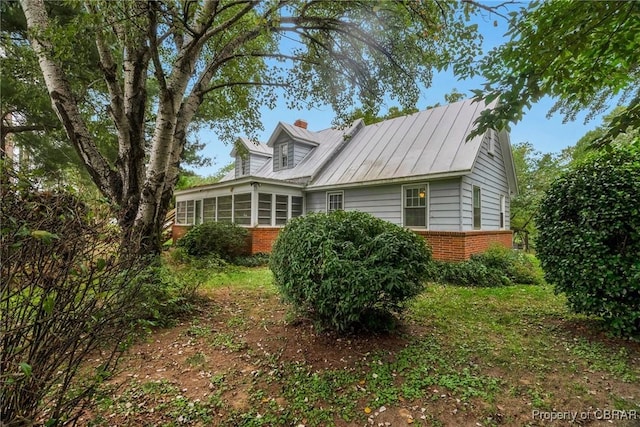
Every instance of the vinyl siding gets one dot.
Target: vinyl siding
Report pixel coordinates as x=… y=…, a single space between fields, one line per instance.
x=300 y=151
x=381 y=201
x=444 y=205
x=489 y=174
x=257 y=162
x=385 y=202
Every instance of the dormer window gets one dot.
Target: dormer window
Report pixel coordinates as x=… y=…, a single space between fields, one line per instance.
x=244 y=165
x=284 y=155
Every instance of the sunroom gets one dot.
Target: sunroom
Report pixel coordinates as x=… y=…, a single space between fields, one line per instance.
x=248 y=203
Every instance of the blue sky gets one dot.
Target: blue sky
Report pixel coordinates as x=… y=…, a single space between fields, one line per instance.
x=546 y=134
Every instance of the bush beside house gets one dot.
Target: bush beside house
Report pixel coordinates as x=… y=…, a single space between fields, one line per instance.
x=346 y=269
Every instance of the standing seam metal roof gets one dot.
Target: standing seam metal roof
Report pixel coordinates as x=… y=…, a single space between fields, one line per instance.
x=428 y=142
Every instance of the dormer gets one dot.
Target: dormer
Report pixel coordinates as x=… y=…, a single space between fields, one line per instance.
x=291 y=144
x=250 y=156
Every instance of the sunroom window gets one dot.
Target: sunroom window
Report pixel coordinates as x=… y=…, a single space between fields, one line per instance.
x=242 y=209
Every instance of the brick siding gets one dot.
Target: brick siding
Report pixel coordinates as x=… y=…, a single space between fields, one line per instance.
x=446 y=245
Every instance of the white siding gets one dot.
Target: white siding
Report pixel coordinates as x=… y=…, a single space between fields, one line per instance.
x=444 y=205
x=489 y=174
x=300 y=151
x=257 y=162
x=386 y=202
x=381 y=201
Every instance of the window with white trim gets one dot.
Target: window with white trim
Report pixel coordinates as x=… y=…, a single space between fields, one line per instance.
x=282 y=209
x=244 y=165
x=503 y=212
x=184 y=212
x=296 y=206
x=198 y=212
x=225 y=205
x=335 y=201
x=284 y=155
x=242 y=209
x=209 y=209
x=477 y=208
x=415 y=205
x=264 y=208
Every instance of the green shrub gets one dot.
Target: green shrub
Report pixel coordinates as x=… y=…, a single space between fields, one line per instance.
x=166 y=294
x=226 y=240
x=348 y=268
x=497 y=266
x=259 y=259
x=589 y=242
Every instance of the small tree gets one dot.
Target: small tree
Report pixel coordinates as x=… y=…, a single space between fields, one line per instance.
x=589 y=237
x=348 y=268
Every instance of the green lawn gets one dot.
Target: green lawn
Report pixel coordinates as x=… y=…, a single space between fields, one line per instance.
x=462 y=356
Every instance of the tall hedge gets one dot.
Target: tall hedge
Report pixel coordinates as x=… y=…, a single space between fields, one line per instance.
x=589 y=242
x=346 y=268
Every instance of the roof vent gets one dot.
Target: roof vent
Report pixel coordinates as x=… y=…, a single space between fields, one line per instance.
x=301 y=124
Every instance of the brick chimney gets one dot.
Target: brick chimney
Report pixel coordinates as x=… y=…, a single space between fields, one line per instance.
x=301 y=123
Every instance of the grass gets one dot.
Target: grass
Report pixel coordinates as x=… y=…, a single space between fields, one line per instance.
x=478 y=356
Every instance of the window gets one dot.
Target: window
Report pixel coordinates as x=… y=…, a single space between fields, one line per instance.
x=198 y=212
x=284 y=155
x=224 y=208
x=415 y=205
x=335 y=201
x=244 y=165
x=282 y=209
x=503 y=210
x=477 y=218
x=209 y=210
x=264 y=208
x=296 y=206
x=242 y=209
x=184 y=212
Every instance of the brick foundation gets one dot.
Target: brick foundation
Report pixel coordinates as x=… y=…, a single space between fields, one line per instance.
x=446 y=245
x=177 y=231
x=460 y=245
x=262 y=238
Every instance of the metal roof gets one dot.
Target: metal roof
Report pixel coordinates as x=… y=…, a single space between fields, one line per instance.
x=427 y=143
x=430 y=142
x=253 y=147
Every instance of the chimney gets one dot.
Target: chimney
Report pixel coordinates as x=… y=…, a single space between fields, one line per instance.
x=301 y=123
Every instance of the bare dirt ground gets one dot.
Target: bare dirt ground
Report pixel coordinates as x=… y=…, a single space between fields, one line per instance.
x=239 y=336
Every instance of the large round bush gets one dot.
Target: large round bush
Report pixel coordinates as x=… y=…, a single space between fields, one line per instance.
x=347 y=268
x=589 y=242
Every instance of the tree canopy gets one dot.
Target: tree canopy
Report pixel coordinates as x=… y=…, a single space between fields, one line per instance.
x=165 y=66
x=582 y=54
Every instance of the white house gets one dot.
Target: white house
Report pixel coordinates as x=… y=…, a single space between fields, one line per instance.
x=417 y=171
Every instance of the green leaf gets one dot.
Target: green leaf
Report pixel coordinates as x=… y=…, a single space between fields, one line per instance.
x=26 y=369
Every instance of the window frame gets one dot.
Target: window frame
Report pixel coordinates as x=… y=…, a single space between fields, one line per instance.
x=278 y=218
x=328 y=200
x=476 y=225
x=187 y=221
x=427 y=201
x=503 y=212
x=244 y=165
x=284 y=155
